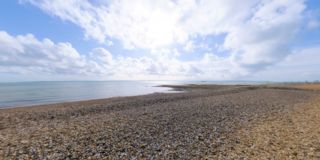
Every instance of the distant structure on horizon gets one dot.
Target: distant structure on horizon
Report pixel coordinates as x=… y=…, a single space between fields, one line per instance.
x=316 y=81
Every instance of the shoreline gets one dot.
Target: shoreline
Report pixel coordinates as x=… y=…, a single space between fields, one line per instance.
x=75 y=103
x=88 y=101
x=172 y=89
x=40 y=93
x=214 y=122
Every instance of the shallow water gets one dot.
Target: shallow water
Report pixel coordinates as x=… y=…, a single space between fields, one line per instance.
x=33 y=93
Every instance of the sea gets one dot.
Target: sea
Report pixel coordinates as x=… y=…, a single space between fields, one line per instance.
x=19 y=94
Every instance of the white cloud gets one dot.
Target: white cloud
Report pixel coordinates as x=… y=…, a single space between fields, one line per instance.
x=25 y=54
x=313 y=24
x=302 y=65
x=258 y=32
x=189 y=47
x=101 y=55
x=265 y=38
x=149 y=23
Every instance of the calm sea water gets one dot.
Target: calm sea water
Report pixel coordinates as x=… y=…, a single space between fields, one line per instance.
x=33 y=93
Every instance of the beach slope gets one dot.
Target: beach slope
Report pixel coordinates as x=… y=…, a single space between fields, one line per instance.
x=205 y=122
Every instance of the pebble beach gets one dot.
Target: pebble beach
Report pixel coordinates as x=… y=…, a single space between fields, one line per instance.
x=202 y=122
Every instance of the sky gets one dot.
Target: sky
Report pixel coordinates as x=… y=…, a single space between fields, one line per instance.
x=255 y=40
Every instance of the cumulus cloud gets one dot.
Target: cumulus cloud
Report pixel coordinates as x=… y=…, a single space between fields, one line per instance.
x=303 y=64
x=257 y=35
x=25 y=54
x=265 y=38
x=146 y=23
x=258 y=32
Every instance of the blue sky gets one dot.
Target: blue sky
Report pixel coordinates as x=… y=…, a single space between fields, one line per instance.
x=152 y=40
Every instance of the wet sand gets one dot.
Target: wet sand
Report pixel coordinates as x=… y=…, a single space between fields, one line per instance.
x=205 y=122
